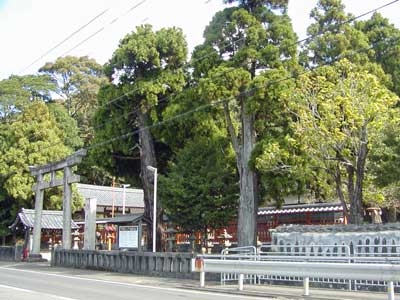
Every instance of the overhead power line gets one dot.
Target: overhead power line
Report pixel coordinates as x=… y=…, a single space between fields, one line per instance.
x=389 y=42
x=348 y=21
x=64 y=40
x=164 y=99
x=104 y=27
x=79 y=30
x=295 y=43
x=204 y=106
x=214 y=103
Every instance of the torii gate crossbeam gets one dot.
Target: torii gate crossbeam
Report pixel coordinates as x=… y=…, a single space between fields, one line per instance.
x=69 y=178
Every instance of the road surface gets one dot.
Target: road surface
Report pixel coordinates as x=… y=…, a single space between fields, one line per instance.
x=18 y=283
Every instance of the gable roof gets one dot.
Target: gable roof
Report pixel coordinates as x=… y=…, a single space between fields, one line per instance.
x=51 y=219
x=130 y=218
x=106 y=194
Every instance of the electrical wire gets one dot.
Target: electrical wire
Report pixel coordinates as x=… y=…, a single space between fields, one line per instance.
x=64 y=40
x=205 y=56
x=202 y=107
x=103 y=28
x=214 y=103
x=295 y=43
x=164 y=99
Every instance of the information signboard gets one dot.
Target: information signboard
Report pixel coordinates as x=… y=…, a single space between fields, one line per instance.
x=128 y=236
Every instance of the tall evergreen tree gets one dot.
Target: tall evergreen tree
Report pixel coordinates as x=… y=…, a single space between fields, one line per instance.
x=333 y=36
x=254 y=37
x=384 y=38
x=146 y=68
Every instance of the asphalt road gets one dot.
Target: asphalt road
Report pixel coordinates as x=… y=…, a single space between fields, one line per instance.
x=25 y=284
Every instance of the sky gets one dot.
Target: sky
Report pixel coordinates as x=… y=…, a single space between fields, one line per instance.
x=29 y=29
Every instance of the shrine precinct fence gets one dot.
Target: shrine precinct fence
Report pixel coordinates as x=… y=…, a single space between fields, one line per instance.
x=164 y=264
x=8 y=253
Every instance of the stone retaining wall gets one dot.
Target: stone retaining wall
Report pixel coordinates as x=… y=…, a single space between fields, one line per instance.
x=359 y=239
x=177 y=265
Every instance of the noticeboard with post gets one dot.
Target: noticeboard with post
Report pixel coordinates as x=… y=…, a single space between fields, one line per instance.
x=128 y=237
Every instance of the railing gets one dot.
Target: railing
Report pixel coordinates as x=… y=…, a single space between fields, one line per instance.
x=8 y=253
x=381 y=253
x=367 y=254
x=248 y=253
x=156 y=264
x=389 y=273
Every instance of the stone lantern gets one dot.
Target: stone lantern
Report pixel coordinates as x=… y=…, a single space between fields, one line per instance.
x=171 y=239
x=76 y=240
x=225 y=237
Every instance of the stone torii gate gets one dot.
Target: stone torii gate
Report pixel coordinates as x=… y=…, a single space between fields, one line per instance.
x=69 y=178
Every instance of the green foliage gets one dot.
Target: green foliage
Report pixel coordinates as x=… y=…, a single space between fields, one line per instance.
x=200 y=188
x=333 y=36
x=7 y=213
x=67 y=124
x=17 y=92
x=32 y=139
x=384 y=38
x=147 y=66
x=78 y=80
x=257 y=6
x=340 y=110
x=242 y=40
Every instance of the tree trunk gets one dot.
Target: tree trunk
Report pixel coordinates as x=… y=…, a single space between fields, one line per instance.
x=392 y=214
x=357 y=197
x=339 y=192
x=147 y=158
x=247 y=216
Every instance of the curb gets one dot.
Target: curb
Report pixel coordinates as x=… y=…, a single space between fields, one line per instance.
x=264 y=294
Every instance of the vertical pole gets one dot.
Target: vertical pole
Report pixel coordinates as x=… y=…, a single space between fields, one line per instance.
x=113 y=198
x=140 y=233
x=241 y=278
x=306 y=286
x=390 y=290
x=202 y=279
x=66 y=235
x=155 y=210
x=90 y=224
x=123 y=198
x=37 y=227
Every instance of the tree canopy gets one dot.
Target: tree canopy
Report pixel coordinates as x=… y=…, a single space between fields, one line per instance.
x=341 y=113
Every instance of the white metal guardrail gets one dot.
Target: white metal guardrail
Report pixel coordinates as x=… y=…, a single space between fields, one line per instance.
x=245 y=252
x=351 y=271
x=357 y=253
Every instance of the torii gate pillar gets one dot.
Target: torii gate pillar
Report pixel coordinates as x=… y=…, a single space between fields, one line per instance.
x=41 y=185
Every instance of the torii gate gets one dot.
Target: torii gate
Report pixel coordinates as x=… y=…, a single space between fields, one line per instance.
x=41 y=185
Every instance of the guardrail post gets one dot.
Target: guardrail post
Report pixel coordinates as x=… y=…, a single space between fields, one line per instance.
x=306 y=286
x=390 y=290
x=202 y=279
x=241 y=277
